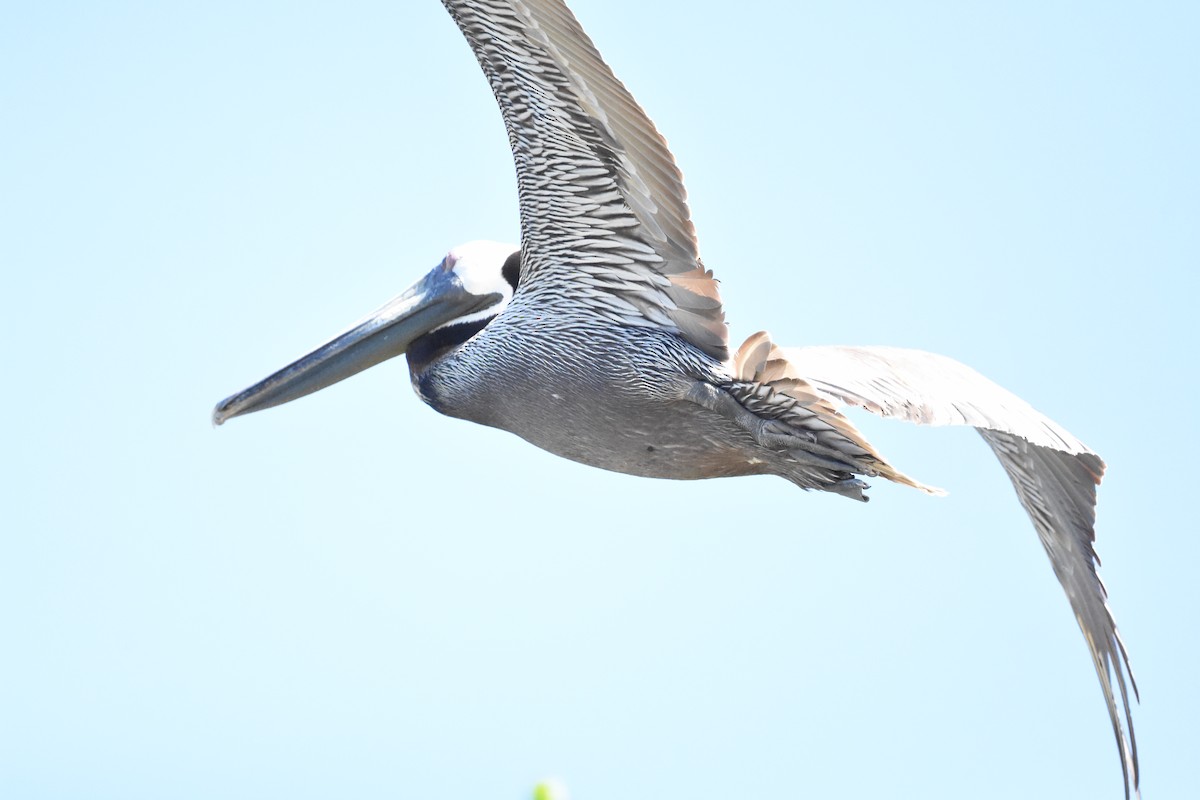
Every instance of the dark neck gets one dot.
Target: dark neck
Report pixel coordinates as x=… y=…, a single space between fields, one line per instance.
x=431 y=346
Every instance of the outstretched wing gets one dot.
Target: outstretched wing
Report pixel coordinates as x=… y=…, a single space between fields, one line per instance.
x=604 y=216
x=1055 y=476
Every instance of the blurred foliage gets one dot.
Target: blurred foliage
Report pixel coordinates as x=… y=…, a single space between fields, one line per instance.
x=550 y=790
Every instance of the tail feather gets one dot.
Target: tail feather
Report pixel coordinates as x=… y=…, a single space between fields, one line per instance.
x=760 y=361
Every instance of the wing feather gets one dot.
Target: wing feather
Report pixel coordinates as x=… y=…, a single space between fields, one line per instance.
x=1054 y=474
x=594 y=175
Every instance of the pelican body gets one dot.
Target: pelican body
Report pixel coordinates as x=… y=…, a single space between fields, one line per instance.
x=602 y=337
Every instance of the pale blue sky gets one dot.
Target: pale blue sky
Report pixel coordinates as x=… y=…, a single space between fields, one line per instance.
x=351 y=596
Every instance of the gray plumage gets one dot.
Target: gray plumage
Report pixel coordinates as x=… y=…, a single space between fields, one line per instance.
x=603 y=340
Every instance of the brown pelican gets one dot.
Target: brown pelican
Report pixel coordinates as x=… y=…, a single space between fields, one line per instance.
x=602 y=338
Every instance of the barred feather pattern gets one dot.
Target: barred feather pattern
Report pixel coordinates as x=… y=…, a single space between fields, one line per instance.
x=769 y=389
x=604 y=217
x=596 y=392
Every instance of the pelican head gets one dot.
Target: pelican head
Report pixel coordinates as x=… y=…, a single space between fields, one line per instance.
x=453 y=302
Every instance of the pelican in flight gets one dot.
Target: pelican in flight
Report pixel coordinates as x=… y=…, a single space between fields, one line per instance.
x=602 y=338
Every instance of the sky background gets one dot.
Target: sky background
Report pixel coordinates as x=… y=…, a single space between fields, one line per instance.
x=352 y=596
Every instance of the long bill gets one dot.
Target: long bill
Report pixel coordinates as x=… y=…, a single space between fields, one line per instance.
x=436 y=299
